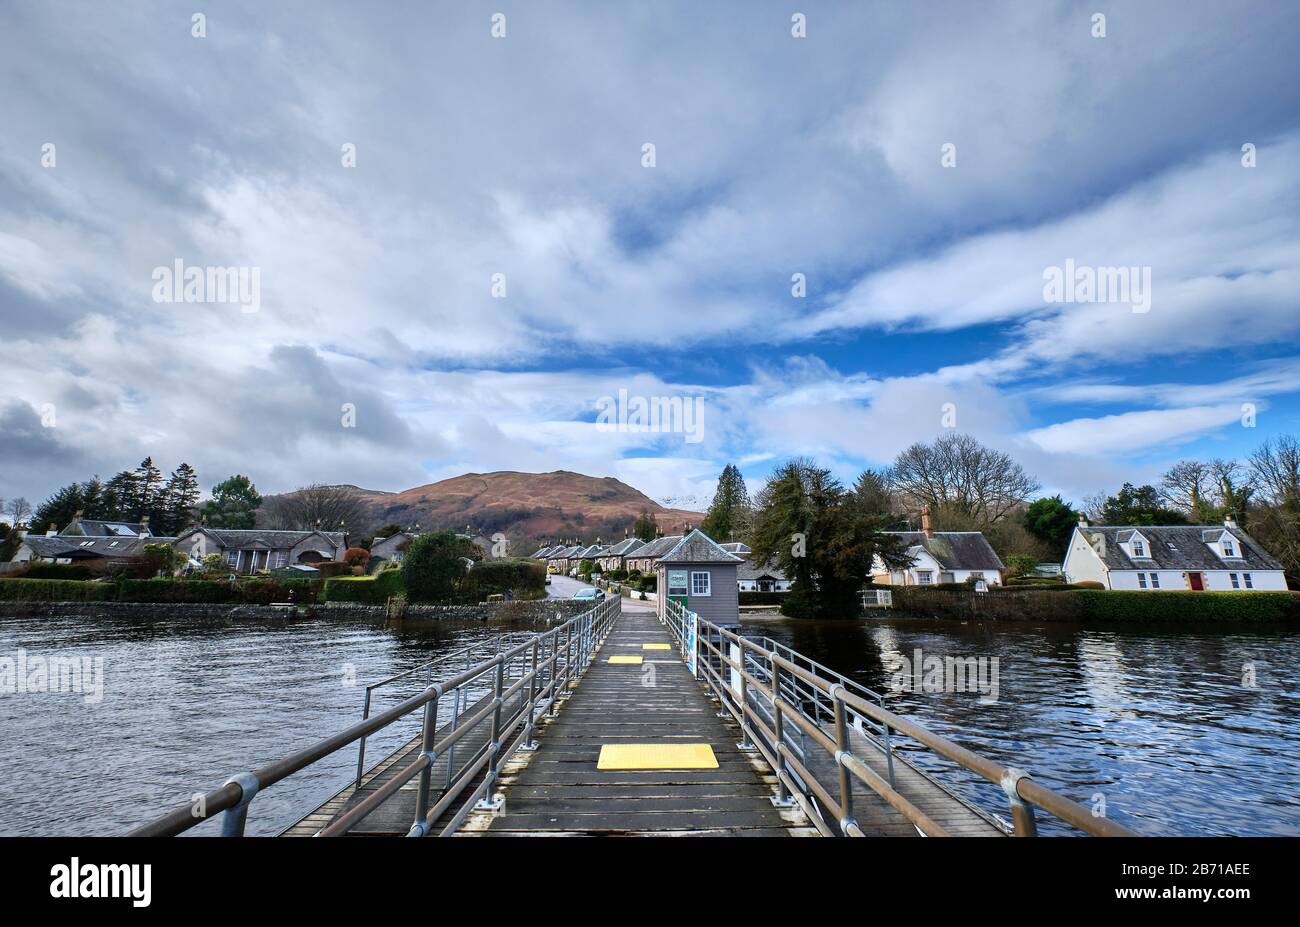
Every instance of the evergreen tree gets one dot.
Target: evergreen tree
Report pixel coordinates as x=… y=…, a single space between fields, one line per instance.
x=1051 y=519
x=149 y=492
x=121 y=497
x=92 y=499
x=60 y=508
x=234 y=504
x=821 y=537
x=730 y=513
x=645 y=527
x=1138 y=505
x=179 y=498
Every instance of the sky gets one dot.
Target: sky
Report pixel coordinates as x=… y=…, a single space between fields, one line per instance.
x=471 y=225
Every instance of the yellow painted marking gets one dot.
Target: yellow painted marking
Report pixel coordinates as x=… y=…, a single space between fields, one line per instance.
x=624 y=659
x=656 y=646
x=657 y=756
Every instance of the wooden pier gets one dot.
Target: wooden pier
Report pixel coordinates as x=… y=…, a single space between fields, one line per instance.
x=624 y=721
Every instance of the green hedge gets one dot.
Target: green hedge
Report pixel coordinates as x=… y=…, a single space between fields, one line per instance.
x=247 y=592
x=1063 y=603
x=55 y=590
x=495 y=577
x=762 y=598
x=1183 y=605
x=364 y=590
x=58 y=571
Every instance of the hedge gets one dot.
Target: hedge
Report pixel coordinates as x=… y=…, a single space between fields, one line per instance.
x=58 y=571
x=755 y=597
x=495 y=577
x=248 y=592
x=1184 y=605
x=364 y=590
x=1062 y=603
x=55 y=590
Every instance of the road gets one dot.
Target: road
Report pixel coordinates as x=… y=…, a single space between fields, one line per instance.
x=563 y=587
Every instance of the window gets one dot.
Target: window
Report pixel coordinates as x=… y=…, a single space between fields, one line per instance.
x=1155 y=580
x=924 y=577
x=1142 y=580
x=1138 y=549
x=1249 y=584
x=86 y=543
x=1236 y=583
x=281 y=559
x=232 y=557
x=700 y=583
x=977 y=574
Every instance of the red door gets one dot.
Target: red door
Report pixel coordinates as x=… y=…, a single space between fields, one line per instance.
x=1197 y=581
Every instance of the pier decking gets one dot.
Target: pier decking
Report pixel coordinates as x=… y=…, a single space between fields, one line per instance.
x=621 y=721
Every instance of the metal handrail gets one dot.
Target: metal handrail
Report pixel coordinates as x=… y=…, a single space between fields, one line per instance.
x=776 y=678
x=465 y=654
x=550 y=662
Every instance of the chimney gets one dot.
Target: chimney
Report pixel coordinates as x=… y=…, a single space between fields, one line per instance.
x=144 y=526
x=22 y=532
x=1229 y=522
x=925 y=522
x=1083 y=519
x=53 y=531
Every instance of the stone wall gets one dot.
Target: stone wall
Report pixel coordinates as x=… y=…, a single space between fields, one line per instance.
x=503 y=611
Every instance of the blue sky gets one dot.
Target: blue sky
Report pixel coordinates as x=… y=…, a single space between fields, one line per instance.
x=523 y=155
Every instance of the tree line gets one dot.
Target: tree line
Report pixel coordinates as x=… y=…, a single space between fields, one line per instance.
x=967 y=486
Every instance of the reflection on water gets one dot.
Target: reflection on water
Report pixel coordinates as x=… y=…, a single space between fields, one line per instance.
x=188 y=704
x=1160 y=722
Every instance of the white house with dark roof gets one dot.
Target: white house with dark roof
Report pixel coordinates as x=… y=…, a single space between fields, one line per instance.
x=248 y=551
x=941 y=557
x=759 y=577
x=1192 y=557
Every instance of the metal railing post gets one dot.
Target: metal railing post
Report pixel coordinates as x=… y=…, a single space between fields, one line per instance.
x=490 y=802
x=361 y=747
x=783 y=797
x=841 y=749
x=234 y=819
x=419 y=826
x=1022 y=812
x=529 y=742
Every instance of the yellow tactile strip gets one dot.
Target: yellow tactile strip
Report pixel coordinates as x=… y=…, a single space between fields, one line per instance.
x=621 y=659
x=656 y=646
x=656 y=756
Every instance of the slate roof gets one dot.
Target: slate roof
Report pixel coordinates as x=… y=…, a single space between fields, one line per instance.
x=655 y=548
x=82 y=548
x=751 y=570
x=563 y=553
x=1177 y=547
x=540 y=554
x=586 y=553
x=622 y=547
x=240 y=539
x=954 y=550
x=697 y=547
x=94 y=528
x=736 y=547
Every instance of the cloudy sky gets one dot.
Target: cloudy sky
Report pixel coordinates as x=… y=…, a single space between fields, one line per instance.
x=525 y=156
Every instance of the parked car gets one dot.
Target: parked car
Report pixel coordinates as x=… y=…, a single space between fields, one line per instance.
x=589 y=595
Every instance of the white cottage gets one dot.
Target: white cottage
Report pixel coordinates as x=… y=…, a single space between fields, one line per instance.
x=1194 y=557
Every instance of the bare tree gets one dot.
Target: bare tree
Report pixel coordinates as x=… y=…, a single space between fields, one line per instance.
x=1188 y=487
x=958 y=475
x=1233 y=489
x=19 y=510
x=1275 y=471
x=316 y=506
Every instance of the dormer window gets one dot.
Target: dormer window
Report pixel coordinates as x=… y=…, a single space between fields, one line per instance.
x=1228 y=550
x=1139 y=549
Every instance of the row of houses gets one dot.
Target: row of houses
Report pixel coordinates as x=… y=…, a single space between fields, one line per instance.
x=1222 y=558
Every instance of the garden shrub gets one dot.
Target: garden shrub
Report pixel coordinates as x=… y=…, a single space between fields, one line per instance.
x=364 y=590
